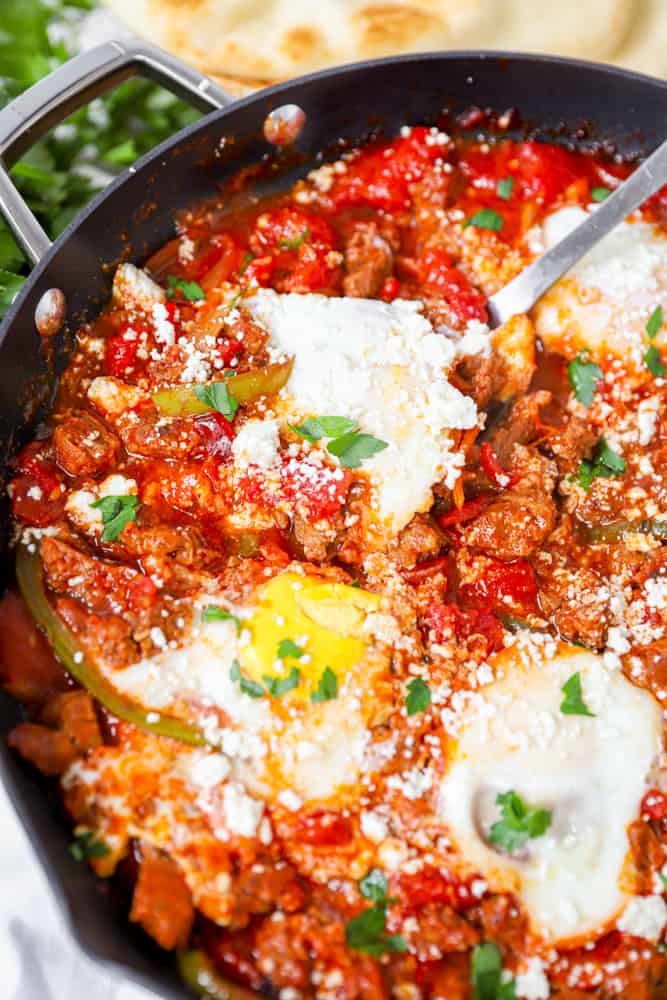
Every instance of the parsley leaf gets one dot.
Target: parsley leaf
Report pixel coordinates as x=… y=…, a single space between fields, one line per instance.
x=486 y=218
x=296 y=241
x=351 y=449
x=573 y=702
x=373 y=886
x=604 y=464
x=288 y=648
x=244 y=263
x=504 y=188
x=518 y=823
x=583 y=376
x=486 y=973
x=653 y=362
x=663 y=879
x=327 y=687
x=278 y=686
x=218 y=396
x=419 y=696
x=85 y=846
x=117 y=511
x=314 y=428
x=251 y=688
x=190 y=290
x=654 y=322
x=215 y=614
x=600 y=193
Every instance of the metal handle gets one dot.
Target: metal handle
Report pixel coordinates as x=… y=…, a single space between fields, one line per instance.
x=523 y=292
x=27 y=118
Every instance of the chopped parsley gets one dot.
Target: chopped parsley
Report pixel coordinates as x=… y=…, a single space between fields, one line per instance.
x=327 y=687
x=288 y=648
x=600 y=193
x=215 y=614
x=573 y=702
x=296 y=241
x=367 y=932
x=278 y=686
x=218 y=396
x=315 y=428
x=486 y=973
x=486 y=218
x=654 y=322
x=85 y=846
x=190 y=290
x=653 y=362
x=583 y=376
x=117 y=511
x=605 y=464
x=251 y=688
x=244 y=263
x=518 y=823
x=504 y=188
x=351 y=449
x=418 y=697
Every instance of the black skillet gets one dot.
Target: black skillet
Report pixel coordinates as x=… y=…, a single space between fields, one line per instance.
x=568 y=101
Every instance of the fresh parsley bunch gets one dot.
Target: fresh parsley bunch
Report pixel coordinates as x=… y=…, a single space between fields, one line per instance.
x=62 y=172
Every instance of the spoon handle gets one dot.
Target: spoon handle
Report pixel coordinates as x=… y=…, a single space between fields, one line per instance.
x=521 y=294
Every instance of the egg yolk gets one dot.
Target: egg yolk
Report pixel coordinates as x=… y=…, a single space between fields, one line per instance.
x=306 y=624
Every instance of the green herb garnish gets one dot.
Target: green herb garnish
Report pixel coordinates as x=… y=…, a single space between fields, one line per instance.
x=518 y=823
x=504 y=188
x=288 y=648
x=296 y=241
x=218 y=396
x=367 y=932
x=251 y=688
x=653 y=362
x=583 y=376
x=418 y=697
x=351 y=449
x=327 y=687
x=654 y=322
x=278 y=686
x=215 y=614
x=190 y=290
x=486 y=218
x=600 y=193
x=605 y=464
x=486 y=973
x=117 y=511
x=85 y=846
x=315 y=428
x=573 y=702
x=244 y=263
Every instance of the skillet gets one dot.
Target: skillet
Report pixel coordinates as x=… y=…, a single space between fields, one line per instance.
x=571 y=101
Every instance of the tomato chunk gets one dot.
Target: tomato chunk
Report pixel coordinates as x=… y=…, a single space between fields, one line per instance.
x=493 y=468
x=459 y=515
x=325 y=828
x=438 y=276
x=654 y=805
x=122 y=349
x=289 y=228
x=504 y=581
x=449 y=619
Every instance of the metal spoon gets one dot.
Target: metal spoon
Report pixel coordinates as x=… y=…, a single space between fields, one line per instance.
x=523 y=292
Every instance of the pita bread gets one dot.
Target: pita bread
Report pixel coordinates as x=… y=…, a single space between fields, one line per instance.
x=276 y=39
x=646 y=48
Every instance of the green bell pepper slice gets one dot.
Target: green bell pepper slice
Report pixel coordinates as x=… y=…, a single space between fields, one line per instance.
x=182 y=400
x=199 y=974
x=616 y=529
x=82 y=669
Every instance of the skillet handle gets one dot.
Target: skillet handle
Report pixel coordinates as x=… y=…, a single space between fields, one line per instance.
x=29 y=116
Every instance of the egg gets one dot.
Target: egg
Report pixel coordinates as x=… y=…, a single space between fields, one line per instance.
x=588 y=772
x=605 y=300
x=287 y=685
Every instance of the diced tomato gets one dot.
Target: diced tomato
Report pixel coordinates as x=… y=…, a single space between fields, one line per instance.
x=427 y=570
x=493 y=468
x=122 y=349
x=259 y=271
x=319 y=491
x=448 y=620
x=382 y=175
x=309 y=269
x=325 y=828
x=233 y=955
x=37 y=496
x=459 y=515
x=141 y=593
x=228 y=349
x=503 y=581
x=654 y=805
x=223 y=253
x=289 y=228
x=430 y=885
x=390 y=289
x=540 y=172
x=218 y=433
x=438 y=276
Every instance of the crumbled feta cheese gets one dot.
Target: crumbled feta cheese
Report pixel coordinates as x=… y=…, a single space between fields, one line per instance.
x=644 y=916
x=257 y=443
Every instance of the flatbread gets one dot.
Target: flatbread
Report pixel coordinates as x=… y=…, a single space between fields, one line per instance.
x=277 y=39
x=646 y=48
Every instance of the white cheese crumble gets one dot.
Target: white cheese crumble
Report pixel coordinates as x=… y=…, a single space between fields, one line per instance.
x=257 y=443
x=385 y=367
x=532 y=982
x=644 y=917
x=374 y=826
x=242 y=813
x=132 y=286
